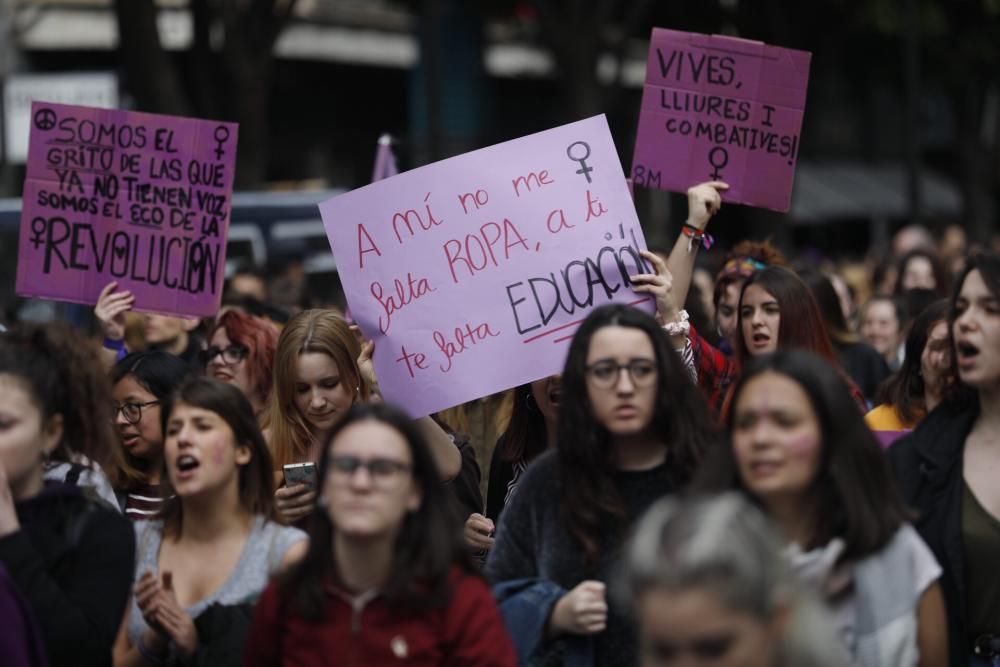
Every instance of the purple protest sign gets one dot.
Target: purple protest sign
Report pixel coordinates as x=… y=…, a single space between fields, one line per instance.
x=721 y=108
x=472 y=274
x=136 y=198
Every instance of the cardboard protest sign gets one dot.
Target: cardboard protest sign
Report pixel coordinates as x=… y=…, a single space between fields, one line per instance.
x=136 y=198
x=472 y=274
x=721 y=108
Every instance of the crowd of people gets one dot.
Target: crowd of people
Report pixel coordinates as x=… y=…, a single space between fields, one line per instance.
x=783 y=466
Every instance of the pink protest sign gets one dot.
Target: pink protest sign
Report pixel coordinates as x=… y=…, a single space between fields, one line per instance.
x=135 y=198
x=472 y=274
x=721 y=108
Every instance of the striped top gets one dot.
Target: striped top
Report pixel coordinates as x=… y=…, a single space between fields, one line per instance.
x=143 y=502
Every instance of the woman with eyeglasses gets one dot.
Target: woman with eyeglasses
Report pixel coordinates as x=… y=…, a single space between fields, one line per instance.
x=321 y=370
x=386 y=579
x=216 y=540
x=69 y=554
x=241 y=351
x=139 y=383
x=631 y=429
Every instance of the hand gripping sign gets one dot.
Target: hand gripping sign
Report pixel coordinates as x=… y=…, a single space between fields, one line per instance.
x=136 y=198
x=721 y=109
x=472 y=274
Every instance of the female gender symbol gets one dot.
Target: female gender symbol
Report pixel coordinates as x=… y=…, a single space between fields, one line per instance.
x=584 y=169
x=718 y=162
x=38 y=226
x=221 y=137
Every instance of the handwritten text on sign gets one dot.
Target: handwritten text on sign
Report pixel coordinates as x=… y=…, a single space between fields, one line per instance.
x=720 y=108
x=472 y=274
x=136 y=198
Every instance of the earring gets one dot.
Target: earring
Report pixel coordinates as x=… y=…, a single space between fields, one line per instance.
x=529 y=402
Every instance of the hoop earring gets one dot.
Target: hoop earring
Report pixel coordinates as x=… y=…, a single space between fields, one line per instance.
x=529 y=402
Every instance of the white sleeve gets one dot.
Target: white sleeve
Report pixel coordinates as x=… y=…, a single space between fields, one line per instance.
x=925 y=567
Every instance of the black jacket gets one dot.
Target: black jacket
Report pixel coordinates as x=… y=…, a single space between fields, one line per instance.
x=73 y=561
x=928 y=467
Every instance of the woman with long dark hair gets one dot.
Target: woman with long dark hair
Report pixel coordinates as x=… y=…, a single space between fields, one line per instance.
x=67 y=553
x=920 y=383
x=800 y=449
x=631 y=429
x=777 y=311
x=386 y=577
x=947 y=468
x=140 y=383
x=216 y=539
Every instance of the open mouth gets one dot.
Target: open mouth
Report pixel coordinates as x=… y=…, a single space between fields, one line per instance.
x=187 y=463
x=760 y=339
x=129 y=440
x=219 y=375
x=966 y=350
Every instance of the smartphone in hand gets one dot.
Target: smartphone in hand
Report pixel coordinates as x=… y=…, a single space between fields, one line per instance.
x=300 y=473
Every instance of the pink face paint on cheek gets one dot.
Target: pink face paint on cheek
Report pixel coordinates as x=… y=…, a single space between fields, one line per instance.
x=219 y=453
x=802 y=446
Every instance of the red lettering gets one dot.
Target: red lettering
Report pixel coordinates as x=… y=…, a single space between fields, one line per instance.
x=418 y=358
x=561 y=224
x=476 y=251
x=591 y=212
x=464 y=339
x=405 y=295
x=371 y=242
x=540 y=179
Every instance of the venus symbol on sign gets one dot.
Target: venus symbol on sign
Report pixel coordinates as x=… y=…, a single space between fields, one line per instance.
x=37 y=231
x=718 y=157
x=221 y=137
x=584 y=169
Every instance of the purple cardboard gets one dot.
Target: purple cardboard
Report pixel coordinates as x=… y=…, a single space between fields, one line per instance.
x=136 y=198
x=472 y=274
x=721 y=108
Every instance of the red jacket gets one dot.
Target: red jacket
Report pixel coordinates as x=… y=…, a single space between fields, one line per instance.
x=469 y=631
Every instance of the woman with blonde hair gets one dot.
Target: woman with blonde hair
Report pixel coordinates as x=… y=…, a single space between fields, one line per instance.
x=321 y=370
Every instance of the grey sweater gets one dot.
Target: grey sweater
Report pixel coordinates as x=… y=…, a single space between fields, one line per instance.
x=534 y=546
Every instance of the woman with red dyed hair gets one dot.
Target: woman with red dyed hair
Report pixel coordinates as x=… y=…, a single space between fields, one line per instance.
x=777 y=311
x=241 y=352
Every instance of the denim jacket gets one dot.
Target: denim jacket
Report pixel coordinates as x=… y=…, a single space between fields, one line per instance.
x=525 y=605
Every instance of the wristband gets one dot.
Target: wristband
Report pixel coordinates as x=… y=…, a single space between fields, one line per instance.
x=116 y=345
x=696 y=235
x=680 y=327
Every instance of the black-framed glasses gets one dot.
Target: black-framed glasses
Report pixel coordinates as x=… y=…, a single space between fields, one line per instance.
x=606 y=374
x=379 y=469
x=233 y=354
x=132 y=412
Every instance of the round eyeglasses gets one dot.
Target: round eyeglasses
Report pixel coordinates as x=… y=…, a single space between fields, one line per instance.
x=607 y=374
x=233 y=354
x=132 y=412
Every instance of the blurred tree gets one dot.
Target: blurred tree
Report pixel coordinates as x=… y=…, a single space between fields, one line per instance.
x=226 y=74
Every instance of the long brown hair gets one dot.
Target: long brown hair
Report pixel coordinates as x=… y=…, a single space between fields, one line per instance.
x=317 y=330
x=256 y=479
